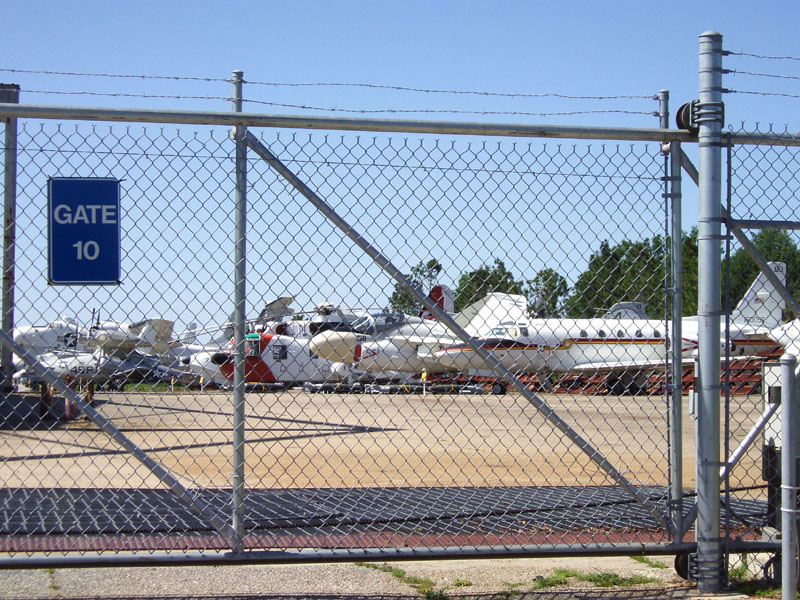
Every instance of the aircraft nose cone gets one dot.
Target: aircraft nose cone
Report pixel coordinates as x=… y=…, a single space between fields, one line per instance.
x=335 y=346
x=219 y=358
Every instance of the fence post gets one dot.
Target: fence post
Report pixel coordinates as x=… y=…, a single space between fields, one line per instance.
x=790 y=459
x=675 y=382
x=9 y=93
x=240 y=283
x=709 y=117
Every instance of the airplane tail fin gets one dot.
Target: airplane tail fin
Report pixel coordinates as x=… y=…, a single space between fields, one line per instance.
x=226 y=332
x=480 y=317
x=442 y=297
x=191 y=335
x=153 y=333
x=762 y=305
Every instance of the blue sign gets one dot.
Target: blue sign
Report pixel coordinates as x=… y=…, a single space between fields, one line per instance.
x=83 y=231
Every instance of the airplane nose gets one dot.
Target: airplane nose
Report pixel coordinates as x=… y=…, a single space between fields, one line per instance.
x=219 y=358
x=335 y=346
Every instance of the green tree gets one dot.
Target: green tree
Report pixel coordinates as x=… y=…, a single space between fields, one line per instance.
x=474 y=285
x=689 y=262
x=774 y=245
x=629 y=271
x=424 y=276
x=545 y=294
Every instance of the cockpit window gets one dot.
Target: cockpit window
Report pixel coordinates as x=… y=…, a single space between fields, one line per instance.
x=254 y=347
x=498 y=332
x=373 y=324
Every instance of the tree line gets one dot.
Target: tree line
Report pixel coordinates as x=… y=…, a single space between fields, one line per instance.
x=627 y=271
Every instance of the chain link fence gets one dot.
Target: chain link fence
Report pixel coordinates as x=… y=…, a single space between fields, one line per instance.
x=401 y=449
x=761 y=186
x=370 y=428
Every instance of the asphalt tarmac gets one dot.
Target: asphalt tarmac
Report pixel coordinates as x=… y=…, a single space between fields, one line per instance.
x=464 y=469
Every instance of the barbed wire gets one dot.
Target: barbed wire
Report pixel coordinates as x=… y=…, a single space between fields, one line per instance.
x=125 y=95
x=448 y=110
x=761 y=56
x=342 y=84
x=117 y=75
x=752 y=74
x=752 y=93
x=455 y=92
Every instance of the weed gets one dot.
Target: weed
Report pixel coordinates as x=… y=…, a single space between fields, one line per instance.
x=559 y=577
x=646 y=560
x=423 y=586
x=758 y=589
x=513 y=586
x=52 y=575
x=614 y=580
x=739 y=573
x=459 y=583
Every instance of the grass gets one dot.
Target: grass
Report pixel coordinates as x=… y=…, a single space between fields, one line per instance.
x=559 y=577
x=425 y=587
x=614 y=580
x=53 y=585
x=757 y=589
x=739 y=573
x=646 y=560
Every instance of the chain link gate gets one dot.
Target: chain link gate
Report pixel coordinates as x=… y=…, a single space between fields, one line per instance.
x=395 y=459
x=762 y=237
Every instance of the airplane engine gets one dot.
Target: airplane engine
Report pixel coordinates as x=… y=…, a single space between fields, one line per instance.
x=336 y=346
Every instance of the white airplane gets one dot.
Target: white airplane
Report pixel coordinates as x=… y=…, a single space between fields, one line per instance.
x=100 y=368
x=121 y=339
x=635 y=347
x=632 y=347
x=284 y=359
x=396 y=342
x=108 y=350
x=61 y=334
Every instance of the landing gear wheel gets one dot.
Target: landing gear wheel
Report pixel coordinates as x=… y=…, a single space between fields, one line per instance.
x=499 y=388
x=682 y=565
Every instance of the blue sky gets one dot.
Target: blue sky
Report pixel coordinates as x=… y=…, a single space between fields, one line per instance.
x=629 y=49
x=573 y=48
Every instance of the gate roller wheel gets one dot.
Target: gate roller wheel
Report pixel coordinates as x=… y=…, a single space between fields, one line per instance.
x=682 y=565
x=683 y=119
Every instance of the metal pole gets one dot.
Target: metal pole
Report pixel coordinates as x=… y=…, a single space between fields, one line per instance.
x=9 y=94
x=709 y=118
x=790 y=460
x=673 y=197
x=663 y=109
x=675 y=383
x=240 y=283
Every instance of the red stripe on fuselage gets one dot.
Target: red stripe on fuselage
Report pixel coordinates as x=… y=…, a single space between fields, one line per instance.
x=256 y=369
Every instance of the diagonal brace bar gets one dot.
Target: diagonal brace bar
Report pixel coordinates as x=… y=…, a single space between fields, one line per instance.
x=120 y=438
x=497 y=367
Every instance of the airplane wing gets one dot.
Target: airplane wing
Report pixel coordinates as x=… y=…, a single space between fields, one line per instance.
x=597 y=367
x=416 y=340
x=601 y=367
